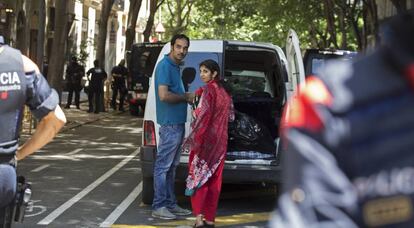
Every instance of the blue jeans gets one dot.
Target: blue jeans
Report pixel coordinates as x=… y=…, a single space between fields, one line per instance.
x=7 y=184
x=167 y=160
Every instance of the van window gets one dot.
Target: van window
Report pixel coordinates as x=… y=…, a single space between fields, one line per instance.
x=143 y=59
x=192 y=61
x=253 y=71
x=247 y=81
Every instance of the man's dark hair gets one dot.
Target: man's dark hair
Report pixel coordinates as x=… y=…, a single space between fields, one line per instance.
x=96 y=63
x=179 y=36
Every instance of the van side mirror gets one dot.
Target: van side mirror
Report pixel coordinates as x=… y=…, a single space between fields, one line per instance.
x=188 y=76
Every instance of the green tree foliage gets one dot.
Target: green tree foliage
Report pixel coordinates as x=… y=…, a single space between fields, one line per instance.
x=178 y=17
x=224 y=19
x=345 y=24
x=83 y=54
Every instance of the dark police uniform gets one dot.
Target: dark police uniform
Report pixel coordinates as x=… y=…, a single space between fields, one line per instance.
x=119 y=73
x=96 y=89
x=349 y=138
x=18 y=88
x=74 y=75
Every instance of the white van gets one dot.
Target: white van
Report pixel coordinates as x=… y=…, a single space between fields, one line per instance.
x=260 y=83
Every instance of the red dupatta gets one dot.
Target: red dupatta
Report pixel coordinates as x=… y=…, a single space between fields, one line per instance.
x=207 y=142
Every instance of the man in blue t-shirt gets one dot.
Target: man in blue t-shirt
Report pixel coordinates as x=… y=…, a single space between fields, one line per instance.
x=171 y=105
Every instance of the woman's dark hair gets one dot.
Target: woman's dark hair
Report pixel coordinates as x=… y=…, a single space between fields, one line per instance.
x=213 y=66
x=179 y=36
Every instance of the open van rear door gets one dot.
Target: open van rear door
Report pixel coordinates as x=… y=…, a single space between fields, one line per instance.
x=296 y=71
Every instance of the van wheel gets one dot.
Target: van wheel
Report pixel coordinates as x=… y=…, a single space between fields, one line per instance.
x=147 y=190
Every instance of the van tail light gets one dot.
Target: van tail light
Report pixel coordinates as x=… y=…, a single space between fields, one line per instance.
x=149 y=133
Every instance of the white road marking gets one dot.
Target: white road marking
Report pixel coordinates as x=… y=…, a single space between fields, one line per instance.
x=60 y=210
x=34 y=210
x=122 y=207
x=40 y=168
x=101 y=138
x=74 y=151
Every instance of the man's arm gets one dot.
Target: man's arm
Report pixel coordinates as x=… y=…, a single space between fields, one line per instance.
x=47 y=128
x=88 y=74
x=169 y=97
x=49 y=125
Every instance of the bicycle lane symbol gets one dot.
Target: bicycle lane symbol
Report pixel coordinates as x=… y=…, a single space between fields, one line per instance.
x=34 y=210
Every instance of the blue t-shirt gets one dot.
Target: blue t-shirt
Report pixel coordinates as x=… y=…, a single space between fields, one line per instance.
x=168 y=73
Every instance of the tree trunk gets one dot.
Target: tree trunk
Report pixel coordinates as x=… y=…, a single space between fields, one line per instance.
x=352 y=17
x=103 y=28
x=134 y=8
x=41 y=34
x=23 y=30
x=150 y=21
x=57 y=57
x=342 y=26
x=330 y=19
x=370 y=18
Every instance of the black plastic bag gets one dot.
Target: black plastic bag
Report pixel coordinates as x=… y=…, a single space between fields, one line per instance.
x=248 y=134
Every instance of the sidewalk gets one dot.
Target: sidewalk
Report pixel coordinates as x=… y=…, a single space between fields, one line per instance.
x=77 y=117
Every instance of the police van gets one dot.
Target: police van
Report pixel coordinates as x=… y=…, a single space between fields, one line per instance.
x=141 y=63
x=261 y=78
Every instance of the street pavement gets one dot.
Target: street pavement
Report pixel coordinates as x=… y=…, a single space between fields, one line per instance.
x=77 y=117
x=89 y=176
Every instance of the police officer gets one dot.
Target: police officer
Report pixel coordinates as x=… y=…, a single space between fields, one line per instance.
x=119 y=74
x=96 y=87
x=21 y=83
x=74 y=75
x=349 y=139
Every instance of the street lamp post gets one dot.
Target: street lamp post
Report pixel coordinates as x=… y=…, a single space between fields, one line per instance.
x=159 y=30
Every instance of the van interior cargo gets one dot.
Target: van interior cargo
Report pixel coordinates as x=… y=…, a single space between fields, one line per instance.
x=256 y=84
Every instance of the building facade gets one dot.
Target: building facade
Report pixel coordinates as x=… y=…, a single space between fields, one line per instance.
x=29 y=26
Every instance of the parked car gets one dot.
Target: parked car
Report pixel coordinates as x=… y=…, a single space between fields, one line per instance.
x=260 y=83
x=141 y=63
x=315 y=59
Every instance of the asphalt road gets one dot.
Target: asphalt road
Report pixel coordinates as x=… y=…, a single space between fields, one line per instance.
x=89 y=176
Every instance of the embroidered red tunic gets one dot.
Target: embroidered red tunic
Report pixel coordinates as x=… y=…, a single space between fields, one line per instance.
x=207 y=142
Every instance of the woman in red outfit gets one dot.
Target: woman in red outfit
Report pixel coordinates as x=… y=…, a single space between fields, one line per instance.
x=207 y=144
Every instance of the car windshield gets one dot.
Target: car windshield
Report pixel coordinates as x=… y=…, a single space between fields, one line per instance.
x=319 y=63
x=315 y=60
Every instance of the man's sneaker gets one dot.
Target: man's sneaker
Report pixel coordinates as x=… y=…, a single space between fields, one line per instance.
x=163 y=213
x=177 y=210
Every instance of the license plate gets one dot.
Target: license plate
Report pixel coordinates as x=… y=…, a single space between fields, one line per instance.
x=140 y=96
